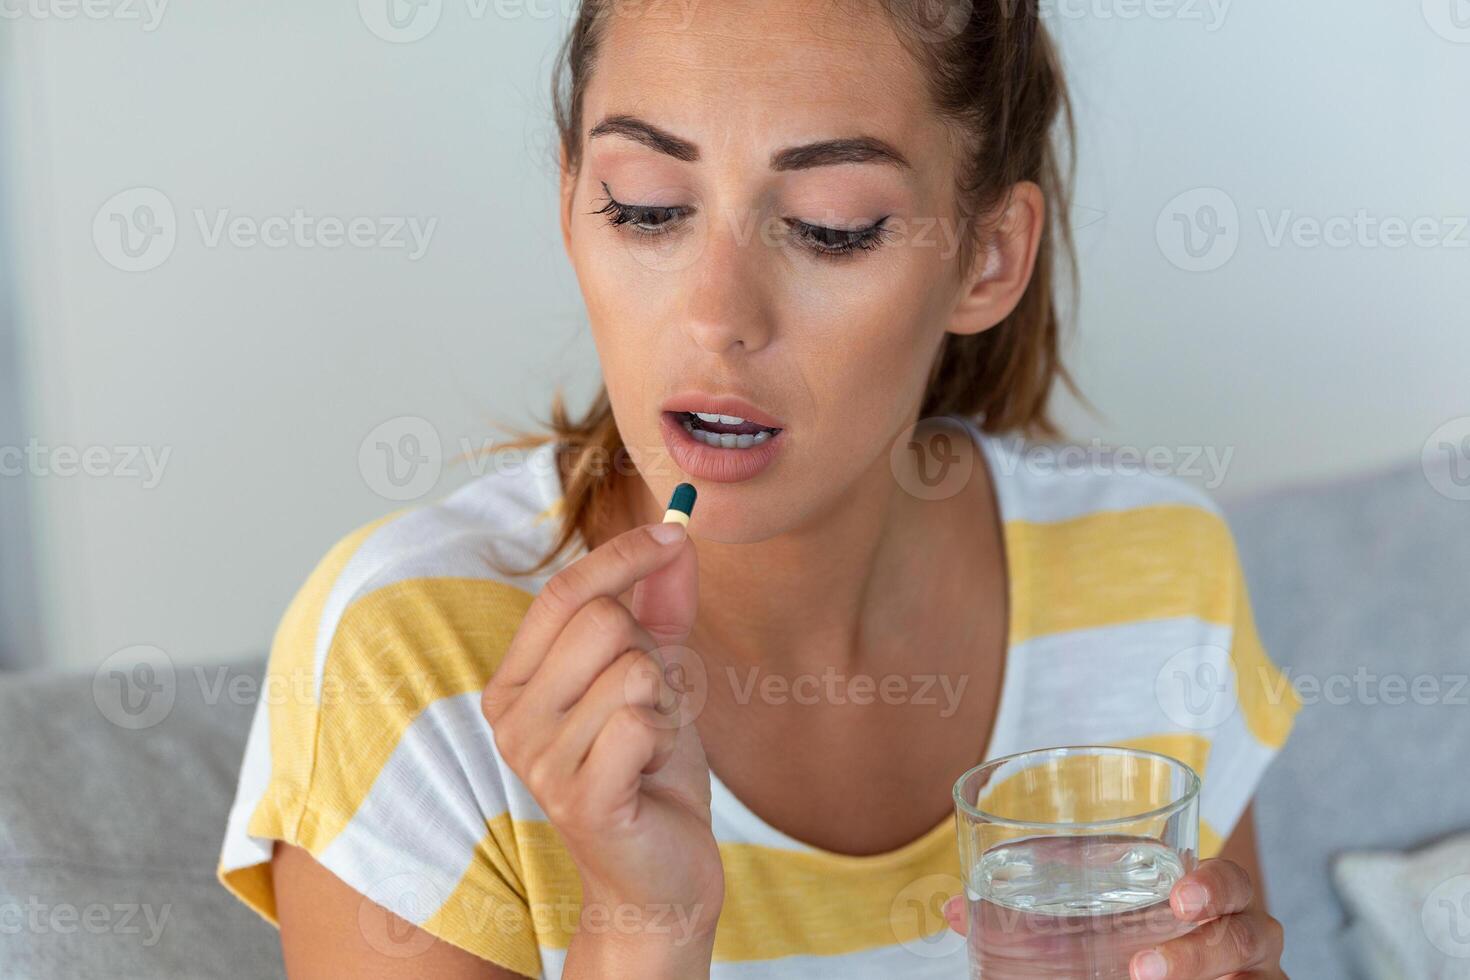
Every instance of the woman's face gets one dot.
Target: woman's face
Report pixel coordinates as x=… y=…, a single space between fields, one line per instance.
x=695 y=223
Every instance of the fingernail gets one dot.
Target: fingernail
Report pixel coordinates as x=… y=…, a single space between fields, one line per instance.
x=1150 y=966
x=669 y=533
x=1192 y=899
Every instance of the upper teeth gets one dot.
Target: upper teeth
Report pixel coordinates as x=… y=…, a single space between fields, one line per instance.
x=724 y=419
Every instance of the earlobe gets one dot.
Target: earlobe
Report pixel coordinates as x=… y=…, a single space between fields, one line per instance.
x=1003 y=265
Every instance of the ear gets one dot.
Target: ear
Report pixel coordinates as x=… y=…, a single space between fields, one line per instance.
x=568 y=185
x=1003 y=263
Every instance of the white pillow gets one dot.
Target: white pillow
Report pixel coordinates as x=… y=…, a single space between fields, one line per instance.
x=1409 y=912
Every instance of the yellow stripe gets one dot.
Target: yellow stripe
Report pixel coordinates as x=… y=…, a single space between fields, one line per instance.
x=1161 y=562
x=487 y=913
x=398 y=650
x=288 y=692
x=1267 y=700
x=777 y=903
x=1117 y=567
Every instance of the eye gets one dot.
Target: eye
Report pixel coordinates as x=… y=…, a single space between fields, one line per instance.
x=644 y=220
x=838 y=242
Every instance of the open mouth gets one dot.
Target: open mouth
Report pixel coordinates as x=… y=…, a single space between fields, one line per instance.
x=724 y=431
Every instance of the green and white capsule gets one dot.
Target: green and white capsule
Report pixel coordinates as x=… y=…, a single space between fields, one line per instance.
x=681 y=504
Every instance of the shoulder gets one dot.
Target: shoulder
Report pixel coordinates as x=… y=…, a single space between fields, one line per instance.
x=1128 y=539
x=438 y=587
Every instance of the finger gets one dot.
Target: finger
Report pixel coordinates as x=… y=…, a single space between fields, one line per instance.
x=665 y=601
x=1230 y=944
x=628 y=745
x=954 y=914
x=633 y=679
x=610 y=569
x=601 y=632
x=1216 y=887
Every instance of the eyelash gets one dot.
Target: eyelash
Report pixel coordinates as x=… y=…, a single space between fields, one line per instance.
x=834 y=243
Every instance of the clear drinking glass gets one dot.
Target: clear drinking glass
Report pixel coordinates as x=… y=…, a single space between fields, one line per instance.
x=1068 y=856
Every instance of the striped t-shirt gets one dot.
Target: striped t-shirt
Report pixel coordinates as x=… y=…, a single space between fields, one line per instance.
x=1129 y=625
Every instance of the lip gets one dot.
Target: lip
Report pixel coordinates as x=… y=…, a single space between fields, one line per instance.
x=718 y=465
x=698 y=401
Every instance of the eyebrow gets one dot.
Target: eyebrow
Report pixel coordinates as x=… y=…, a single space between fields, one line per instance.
x=824 y=153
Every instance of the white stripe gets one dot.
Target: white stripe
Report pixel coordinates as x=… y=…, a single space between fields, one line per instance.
x=1033 y=489
x=239 y=849
x=1099 y=685
x=1237 y=762
x=884 y=963
x=488 y=519
x=413 y=838
x=1102 y=686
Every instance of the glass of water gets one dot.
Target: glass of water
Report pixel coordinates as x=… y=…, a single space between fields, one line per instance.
x=1068 y=857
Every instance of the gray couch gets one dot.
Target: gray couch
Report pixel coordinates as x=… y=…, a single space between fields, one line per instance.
x=104 y=831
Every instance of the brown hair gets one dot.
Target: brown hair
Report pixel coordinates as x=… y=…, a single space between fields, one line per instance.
x=994 y=73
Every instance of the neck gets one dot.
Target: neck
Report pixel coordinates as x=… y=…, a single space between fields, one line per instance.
x=852 y=588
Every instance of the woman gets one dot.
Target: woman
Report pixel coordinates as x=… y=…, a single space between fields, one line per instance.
x=531 y=730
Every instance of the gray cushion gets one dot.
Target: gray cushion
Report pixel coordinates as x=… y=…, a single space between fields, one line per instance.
x=1368 y=575
x=109 y=837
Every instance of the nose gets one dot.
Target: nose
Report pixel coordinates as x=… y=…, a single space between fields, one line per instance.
x=727 y=309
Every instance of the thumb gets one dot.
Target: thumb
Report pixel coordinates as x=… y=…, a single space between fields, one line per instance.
x=665 y=601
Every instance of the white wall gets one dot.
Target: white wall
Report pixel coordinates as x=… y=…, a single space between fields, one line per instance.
x=260 y=371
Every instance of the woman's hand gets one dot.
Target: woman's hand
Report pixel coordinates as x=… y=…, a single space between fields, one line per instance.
x=1235 y=938
x=582 y=711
